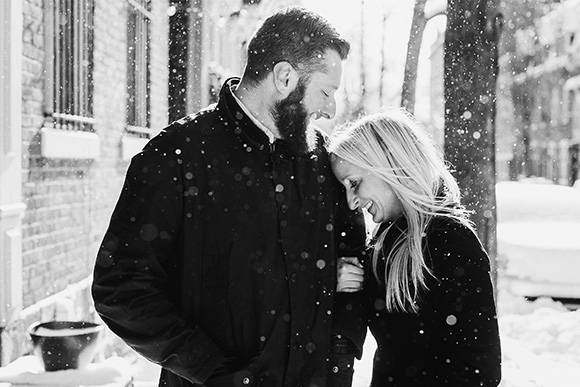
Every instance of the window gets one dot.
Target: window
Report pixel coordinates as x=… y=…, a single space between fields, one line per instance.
x=69 y=65
x=138 y=72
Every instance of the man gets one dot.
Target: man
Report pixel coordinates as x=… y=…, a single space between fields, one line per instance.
x=219 y=261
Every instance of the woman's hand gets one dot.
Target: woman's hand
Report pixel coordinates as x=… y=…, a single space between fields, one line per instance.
x=350 y=274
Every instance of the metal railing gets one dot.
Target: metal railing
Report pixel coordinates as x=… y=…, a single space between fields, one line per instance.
x=69 y=43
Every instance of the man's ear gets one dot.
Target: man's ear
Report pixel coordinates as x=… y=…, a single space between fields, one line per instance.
x=285 y=78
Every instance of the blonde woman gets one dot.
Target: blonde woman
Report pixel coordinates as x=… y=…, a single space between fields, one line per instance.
x=425 y=288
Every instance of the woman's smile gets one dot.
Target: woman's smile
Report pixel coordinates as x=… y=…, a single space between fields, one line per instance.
x=367 y=191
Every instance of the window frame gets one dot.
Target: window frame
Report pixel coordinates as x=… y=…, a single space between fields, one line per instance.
x=69 y=65
x=138 y=115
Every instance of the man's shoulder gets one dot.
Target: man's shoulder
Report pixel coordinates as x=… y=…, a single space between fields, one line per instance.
x=186 y=132
x=196 y=120
x=190 y=128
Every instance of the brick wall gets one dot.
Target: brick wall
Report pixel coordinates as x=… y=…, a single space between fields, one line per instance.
x=68 y=202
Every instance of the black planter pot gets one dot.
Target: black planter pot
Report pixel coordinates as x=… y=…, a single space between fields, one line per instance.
x=65 y=345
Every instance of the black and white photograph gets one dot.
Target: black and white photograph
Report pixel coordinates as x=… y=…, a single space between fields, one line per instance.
x=290 y=193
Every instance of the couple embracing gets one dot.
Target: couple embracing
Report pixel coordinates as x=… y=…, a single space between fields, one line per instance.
x=236 y=254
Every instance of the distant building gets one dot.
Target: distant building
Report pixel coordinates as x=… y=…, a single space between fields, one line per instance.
x=541 y=101
x=537 y=109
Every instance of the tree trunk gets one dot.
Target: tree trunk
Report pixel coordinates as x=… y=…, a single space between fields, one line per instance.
x=471 y=69
x=413 y=48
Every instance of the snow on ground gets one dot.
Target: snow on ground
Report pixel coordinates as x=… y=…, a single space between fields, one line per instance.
x=540 y=343
x=537 y=200
x=539 y=244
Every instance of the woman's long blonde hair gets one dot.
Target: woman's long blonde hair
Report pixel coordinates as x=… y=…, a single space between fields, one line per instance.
x=392 y=146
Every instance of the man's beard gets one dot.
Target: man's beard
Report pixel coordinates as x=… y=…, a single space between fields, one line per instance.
x=291 y=117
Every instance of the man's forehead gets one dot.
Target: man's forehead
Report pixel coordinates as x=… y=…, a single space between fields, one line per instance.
x=325 y=79
x=331 y=73
x=332 y=59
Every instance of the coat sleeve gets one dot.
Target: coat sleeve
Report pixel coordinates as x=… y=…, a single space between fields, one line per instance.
x=465 y=348
x=350 y=321
x=136 y=263
x=350 y=308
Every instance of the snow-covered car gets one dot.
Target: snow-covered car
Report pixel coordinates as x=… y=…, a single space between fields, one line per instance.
x=539 y=239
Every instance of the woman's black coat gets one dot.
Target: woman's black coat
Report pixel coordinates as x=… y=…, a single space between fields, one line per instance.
x=219 y=260
x=453 y=340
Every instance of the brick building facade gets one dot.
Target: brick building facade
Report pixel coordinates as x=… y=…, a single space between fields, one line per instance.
x=67 y=200
x=66 y=173
x=83 y=86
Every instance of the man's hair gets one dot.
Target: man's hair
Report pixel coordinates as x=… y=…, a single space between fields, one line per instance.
x=294 y=35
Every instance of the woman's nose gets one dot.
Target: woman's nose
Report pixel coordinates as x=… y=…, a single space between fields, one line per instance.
x=353 y=201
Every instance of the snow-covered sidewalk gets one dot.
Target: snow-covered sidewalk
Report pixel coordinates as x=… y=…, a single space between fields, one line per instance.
x=540 y=343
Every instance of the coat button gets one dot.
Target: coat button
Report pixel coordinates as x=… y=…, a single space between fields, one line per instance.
x=335 y=369
x=246 y=380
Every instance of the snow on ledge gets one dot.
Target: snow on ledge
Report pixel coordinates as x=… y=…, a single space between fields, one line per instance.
x=130 y=146
x=69 y=144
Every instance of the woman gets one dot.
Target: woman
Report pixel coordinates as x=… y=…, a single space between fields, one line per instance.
x=426 y=290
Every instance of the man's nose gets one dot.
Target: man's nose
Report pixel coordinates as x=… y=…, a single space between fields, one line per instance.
x=353 y=201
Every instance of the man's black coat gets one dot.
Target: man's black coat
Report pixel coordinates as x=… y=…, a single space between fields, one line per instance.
x=219 y=260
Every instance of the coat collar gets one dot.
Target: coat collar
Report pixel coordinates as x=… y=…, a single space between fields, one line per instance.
x=243 y=126
x=247 y=130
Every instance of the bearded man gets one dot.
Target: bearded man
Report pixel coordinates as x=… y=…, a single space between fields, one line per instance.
x=219 y=263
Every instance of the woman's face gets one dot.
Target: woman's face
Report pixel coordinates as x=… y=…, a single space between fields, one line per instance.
x=364 y=190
